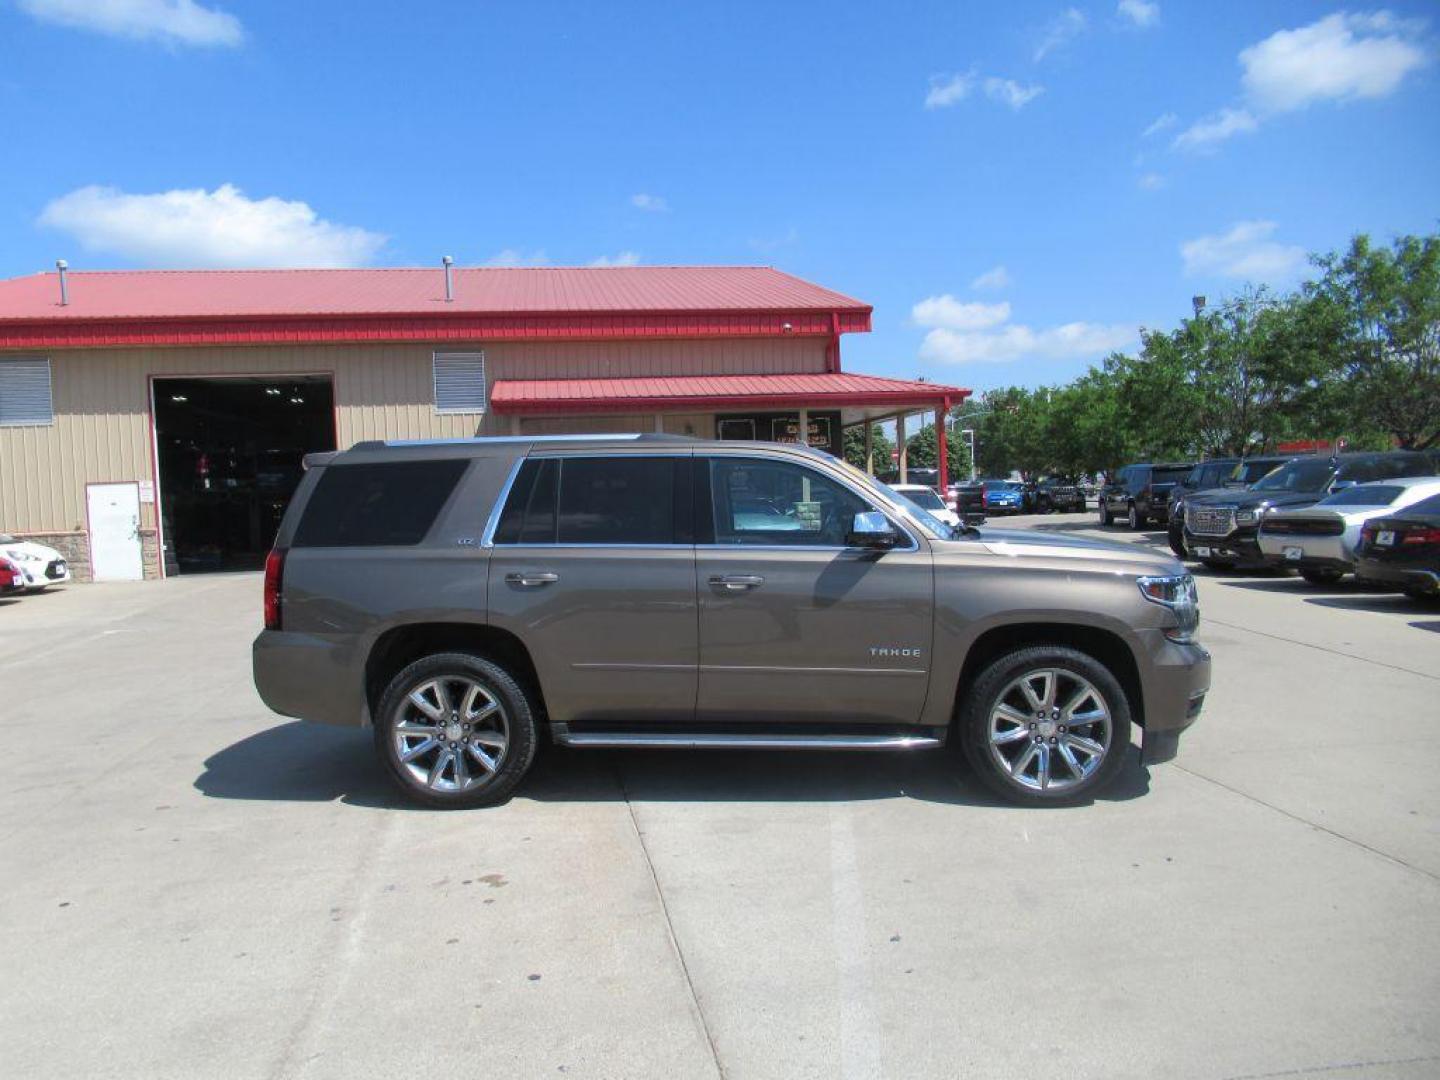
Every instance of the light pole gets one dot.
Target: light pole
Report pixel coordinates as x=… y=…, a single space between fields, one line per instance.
x=968 y=434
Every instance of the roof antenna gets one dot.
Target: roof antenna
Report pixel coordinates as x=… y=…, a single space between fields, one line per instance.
x=449 y=288
x=61 y=266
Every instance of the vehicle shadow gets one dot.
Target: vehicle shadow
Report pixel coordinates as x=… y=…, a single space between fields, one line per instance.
x=1433 y=626
x=297 y=762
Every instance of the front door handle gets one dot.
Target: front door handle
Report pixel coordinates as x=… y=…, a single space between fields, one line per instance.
x=531 y=579
x=736 y=582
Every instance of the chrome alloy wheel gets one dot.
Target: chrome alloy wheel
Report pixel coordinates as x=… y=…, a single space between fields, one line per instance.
x=1050 y=729
x=451 y=734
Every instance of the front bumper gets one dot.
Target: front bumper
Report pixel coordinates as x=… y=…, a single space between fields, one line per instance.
x=1240 y=548
x=38 y=575
x=1176 y=679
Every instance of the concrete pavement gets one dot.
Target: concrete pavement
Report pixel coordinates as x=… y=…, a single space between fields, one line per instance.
x=198 y=888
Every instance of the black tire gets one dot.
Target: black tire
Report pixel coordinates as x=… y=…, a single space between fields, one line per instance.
x=1104 y=513
x=993 y=687
x=1425 y=596
x=516 y=710
x=1322 y=576
x=1175 y=533
x=1133 y=518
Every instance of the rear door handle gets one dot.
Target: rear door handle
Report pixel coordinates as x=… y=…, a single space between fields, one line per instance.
x=531 y=579
x=736 y=582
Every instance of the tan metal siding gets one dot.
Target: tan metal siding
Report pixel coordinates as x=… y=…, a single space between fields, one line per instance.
x=102 y=402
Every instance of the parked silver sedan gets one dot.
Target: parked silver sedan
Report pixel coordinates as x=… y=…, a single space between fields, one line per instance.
x=1320 y=540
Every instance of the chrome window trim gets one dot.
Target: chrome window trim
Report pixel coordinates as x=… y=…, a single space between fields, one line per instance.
x=487 y=538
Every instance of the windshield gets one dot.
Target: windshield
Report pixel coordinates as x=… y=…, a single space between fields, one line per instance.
x=1312 y=475
x=917 y=514
x=1251 y=471
x=1364 y=495
x=924 y=498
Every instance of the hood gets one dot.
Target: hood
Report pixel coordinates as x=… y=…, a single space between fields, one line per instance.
x=27 y=548
x=1249 y=499
x=1052 y=546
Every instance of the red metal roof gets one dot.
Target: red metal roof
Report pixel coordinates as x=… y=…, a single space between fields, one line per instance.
x=247 y=307
x=708 y=392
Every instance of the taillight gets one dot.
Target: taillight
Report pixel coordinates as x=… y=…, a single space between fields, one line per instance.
x=1420 y=536
x=274 y=584
x=1367 y=534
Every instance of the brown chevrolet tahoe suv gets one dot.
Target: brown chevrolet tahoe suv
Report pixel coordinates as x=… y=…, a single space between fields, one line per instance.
x=467 y=599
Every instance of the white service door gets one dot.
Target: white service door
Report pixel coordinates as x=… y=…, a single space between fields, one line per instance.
x=115 y=531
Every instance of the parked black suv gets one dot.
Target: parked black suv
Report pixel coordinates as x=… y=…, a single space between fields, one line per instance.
x=1052 y=494
x=1209 y=478
x=1138 y=493
x=1222 y=529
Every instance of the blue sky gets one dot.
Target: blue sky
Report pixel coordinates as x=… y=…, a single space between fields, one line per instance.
x=896 y=152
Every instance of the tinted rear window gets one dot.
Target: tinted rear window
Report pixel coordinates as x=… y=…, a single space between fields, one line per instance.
x=592 y=500
x=1364 y=495
x=1162 y=475
x=1424 y=506
x=390 y=504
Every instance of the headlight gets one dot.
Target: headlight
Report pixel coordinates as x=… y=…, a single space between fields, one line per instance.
x=1177 y=593
x=1249 y=515
x=24 y=556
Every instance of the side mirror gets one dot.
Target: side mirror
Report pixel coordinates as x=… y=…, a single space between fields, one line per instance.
x=870 y=529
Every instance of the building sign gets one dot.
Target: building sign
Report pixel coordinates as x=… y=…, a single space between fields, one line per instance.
x=787 y=430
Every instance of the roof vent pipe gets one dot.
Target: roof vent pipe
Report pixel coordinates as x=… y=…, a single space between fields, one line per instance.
x=449 y=287
x=61 y=266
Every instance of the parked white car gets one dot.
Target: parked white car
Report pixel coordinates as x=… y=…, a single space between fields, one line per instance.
x=1320 y=540
x=927 y=499
x=40 y=566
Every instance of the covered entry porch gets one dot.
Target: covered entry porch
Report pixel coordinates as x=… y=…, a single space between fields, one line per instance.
x=815 y=408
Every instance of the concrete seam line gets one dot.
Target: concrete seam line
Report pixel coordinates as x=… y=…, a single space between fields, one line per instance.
x=1314 y=825
x=1342 y=1067
x=860 y=1057
x=1325 y=649
x=699 y=1013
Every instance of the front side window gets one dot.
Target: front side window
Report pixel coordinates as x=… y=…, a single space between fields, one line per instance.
x=780 y=503
x=607 y=501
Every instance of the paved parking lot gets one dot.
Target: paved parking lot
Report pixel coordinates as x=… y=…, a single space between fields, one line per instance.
x=195 y=887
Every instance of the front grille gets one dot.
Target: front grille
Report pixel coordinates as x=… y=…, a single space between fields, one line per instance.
x=1210 y=520
x=1304 y=527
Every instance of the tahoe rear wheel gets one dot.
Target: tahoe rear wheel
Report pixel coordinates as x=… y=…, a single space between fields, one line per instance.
x=1045 y=725
x=455 y=730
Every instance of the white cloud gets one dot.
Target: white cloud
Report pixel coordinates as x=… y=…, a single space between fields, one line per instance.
x=1150 y=181
x=1015 y=341
x=1140 y=12
x=997 y=277
x=1342 y=57
x=1059 y=31
x=946 y=90
x=947 y=312
x=1246 y=251
x=1011 y=93
x=625 y=258
x=1205 y=134
x=961 y=333
x=1159 y=124
x=196 y=228
x=511 y=258
x=655 y=204
x=182 y=22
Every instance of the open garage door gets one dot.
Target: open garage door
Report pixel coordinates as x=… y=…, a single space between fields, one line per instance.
x=229 y=454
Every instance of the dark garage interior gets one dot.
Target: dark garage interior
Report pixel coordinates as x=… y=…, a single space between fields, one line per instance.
x=230 y=453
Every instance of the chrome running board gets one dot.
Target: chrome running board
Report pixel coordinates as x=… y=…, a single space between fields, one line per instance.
x=664 y=740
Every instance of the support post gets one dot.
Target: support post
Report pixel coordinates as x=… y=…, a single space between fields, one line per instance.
x=902 y=461
x=804 y=427
x=869 y=448
x=942 y=415
x=659 y=424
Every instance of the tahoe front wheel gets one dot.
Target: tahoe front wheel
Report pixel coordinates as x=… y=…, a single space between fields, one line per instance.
x=1045 y=725
x=455 y=730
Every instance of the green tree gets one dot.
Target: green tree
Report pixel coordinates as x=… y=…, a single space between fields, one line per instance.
x=922 y=450
x=855 y=447
x=1390 y=301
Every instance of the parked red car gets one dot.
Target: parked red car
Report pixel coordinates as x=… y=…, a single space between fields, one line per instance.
x=11 y=580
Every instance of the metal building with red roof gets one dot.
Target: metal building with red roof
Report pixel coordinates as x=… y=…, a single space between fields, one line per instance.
x=152 y=422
